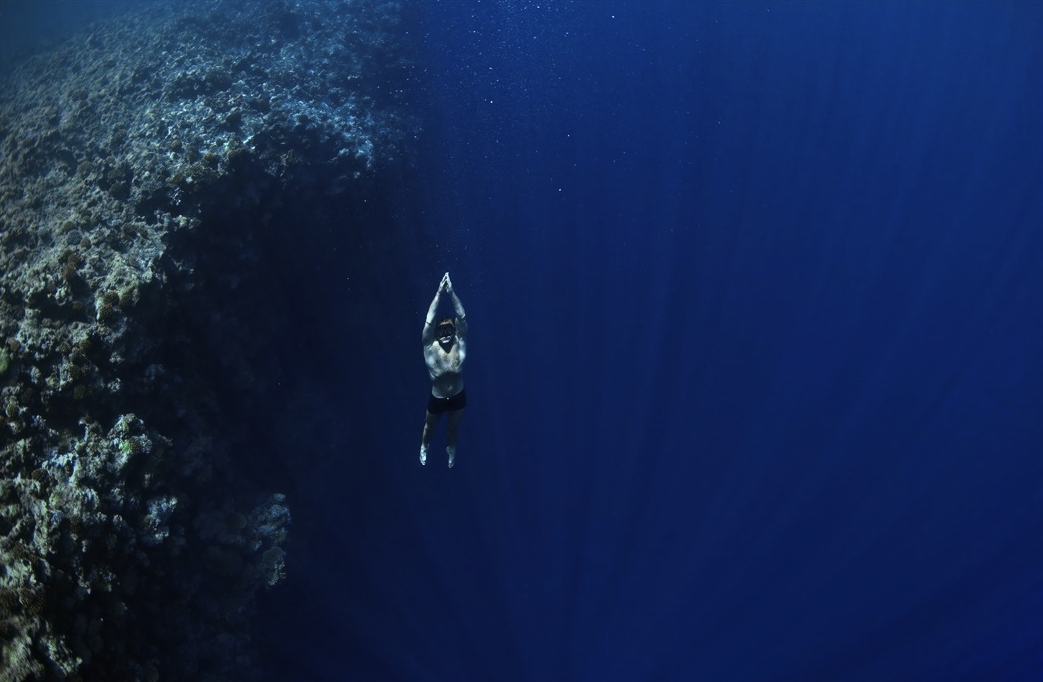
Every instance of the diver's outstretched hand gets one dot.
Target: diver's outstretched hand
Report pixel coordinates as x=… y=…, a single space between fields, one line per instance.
x=447 y=284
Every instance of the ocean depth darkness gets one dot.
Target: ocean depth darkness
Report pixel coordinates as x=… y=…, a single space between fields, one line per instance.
x=755 y=365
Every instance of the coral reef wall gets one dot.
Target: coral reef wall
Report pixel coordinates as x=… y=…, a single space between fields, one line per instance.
x=160 y=173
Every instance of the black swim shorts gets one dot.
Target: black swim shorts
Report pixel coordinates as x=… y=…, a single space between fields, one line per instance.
x=437 y=405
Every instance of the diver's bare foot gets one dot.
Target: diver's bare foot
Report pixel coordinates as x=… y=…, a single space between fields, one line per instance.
x=451 y=451
x=423 y=455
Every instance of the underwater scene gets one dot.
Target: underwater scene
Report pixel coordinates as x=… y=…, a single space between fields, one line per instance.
x=491 y=340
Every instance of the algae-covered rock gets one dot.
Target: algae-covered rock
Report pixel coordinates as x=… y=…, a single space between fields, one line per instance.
x=148 y=170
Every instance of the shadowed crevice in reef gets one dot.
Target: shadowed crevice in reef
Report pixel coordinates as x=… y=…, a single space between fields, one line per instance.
x=176 y=187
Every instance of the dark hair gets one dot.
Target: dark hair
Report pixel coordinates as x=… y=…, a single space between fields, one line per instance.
x=446 y=320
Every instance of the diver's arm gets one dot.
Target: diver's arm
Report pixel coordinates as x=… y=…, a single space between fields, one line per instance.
x=461 y=316
x=429 y=321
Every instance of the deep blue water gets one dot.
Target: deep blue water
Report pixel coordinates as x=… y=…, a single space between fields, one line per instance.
x=27 y=26
x=755 y=370
x=755 y=376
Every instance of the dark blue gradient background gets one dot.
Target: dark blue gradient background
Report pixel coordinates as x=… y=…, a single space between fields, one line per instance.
x=756 y=372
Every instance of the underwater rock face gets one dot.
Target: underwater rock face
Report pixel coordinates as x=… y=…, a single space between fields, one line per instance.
x=147 y=166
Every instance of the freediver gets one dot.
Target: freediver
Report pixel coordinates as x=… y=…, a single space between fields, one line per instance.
x=445 y=348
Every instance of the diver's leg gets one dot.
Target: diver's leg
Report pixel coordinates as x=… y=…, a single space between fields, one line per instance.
x=429 y=429
x=454 y=425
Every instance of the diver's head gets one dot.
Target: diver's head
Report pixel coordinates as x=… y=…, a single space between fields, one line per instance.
x=445 y=332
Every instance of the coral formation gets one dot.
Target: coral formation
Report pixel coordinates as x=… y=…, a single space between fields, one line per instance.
x=146 y=166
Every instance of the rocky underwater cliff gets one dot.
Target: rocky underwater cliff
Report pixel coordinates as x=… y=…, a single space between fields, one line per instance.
x=161 y=175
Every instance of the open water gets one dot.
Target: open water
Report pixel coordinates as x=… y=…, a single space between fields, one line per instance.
x=755 y=370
